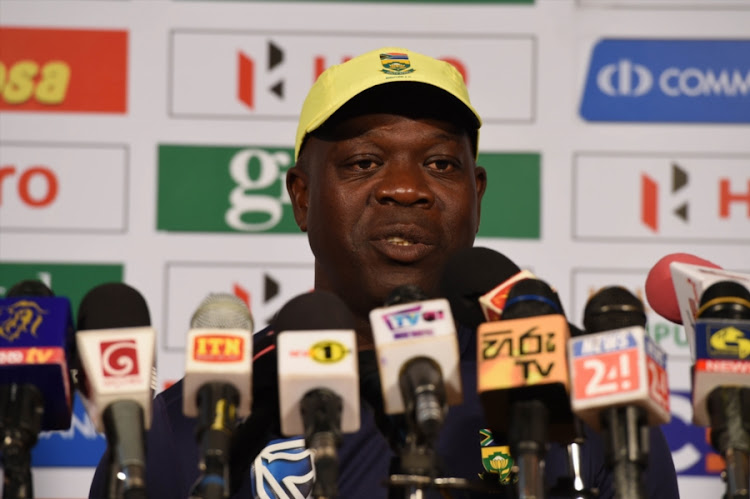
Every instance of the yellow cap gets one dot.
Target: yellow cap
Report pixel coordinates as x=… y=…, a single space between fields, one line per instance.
x=338 y=84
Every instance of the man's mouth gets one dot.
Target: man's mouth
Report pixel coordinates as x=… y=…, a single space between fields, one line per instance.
x=404 y=246
x=399 y=241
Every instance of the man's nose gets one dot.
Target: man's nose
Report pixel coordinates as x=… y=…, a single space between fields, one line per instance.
x=404 y=184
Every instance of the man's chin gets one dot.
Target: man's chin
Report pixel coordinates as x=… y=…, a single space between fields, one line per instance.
x=427 y=285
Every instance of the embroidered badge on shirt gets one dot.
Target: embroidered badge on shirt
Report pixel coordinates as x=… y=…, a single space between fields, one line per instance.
x=283 y=470
x=496 y=459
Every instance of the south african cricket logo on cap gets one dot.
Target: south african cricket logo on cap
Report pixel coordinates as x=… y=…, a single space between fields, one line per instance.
x=496 y=459
x=396 y=63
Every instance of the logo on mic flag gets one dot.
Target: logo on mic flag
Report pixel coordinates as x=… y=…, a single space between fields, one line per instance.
x=729 y=341
x=119 y=358
x=412 y=321
x=218 y=348
x=20 y=317
x=522 y=352
x=624 y=366
x=605 y=364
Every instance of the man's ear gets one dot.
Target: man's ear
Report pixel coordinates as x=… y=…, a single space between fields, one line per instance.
x=297 y=187
x=480 y=177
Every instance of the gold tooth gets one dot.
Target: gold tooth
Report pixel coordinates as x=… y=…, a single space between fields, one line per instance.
x=399 y=241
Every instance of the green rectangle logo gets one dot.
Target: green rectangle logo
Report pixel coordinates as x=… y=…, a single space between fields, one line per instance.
x=511 y=206
x=224 y=189
x=243 y=189
x=71 y=280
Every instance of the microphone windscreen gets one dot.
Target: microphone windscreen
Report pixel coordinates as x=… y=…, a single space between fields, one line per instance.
x=29 y=287
x=407 y=293
x=725 y=300
x=660 y=292
x=613 y=307
x=469 y=274
x=111 y=306
x=315 y=310
x=529 y=298
x=222 y=311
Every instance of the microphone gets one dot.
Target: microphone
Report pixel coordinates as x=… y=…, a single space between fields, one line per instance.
x=417 y=351
x=470 y=283
x=675 y=284
x=523 y=379
x=619 y=383
x=721 y=378
x=418 y=361
x=116 y=351
x=660 y=292
x=318 y=384
x=36 y=333
x=217 y=387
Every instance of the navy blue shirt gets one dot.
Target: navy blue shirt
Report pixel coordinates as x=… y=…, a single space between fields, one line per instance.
x=265 y=464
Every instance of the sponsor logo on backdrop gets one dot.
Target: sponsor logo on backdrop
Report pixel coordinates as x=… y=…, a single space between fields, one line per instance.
x=691 y=448
x=704 y=81
x=661 y=197
x=80 y=445
x=265 y=288
x=586 y=282
x=63 y=70
x=260 y=75
x=72 y=281
x=243 y=190
x=62 y=188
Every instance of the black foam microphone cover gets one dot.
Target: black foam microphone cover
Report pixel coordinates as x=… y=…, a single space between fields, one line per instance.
x=407 y=293
x=613 y=307
x=725 y=300
x=111 y=306
x=469 y=274
x=29 y=287
x=313 y=310
x=529 y=298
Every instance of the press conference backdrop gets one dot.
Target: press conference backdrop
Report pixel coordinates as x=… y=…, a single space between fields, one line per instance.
x=147 y=141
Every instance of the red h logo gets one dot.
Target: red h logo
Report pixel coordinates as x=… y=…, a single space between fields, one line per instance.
x=650 y=198
x=726 y=197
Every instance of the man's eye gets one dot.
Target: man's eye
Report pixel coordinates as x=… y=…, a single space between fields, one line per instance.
x=441 y=165
x=364 y=164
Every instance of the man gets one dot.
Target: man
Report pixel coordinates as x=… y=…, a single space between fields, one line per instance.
x=387 y=188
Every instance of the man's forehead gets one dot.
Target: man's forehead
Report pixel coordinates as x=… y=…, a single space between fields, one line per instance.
x=373 y=124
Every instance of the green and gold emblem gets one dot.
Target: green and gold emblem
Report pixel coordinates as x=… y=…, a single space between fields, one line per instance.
x=396 y=63
x=496 y=459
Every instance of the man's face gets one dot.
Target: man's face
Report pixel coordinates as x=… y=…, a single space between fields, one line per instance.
x=386 y=199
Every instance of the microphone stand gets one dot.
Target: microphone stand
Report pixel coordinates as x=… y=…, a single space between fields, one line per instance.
x=528 y=445
x=423 y=391
x=217 y=406
x=124 y=428
x=626 y=447
x=21 y=411
x=573 y=485
x=729 y=410
x=321 y=416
